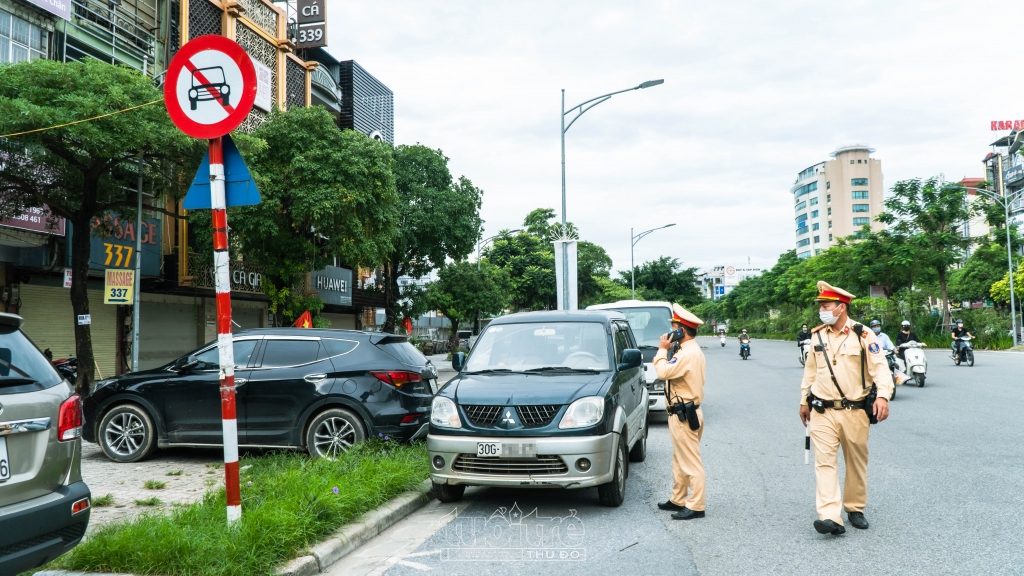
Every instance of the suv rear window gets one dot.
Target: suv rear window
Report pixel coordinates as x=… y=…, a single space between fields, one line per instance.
x=404 y=352
x=281 y=353
x=22 y=366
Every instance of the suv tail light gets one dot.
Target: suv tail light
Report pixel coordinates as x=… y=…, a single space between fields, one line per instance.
x=69 y=423
x=397 y=378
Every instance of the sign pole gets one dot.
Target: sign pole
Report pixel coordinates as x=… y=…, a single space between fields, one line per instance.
x=222 y=266
x=137 y=301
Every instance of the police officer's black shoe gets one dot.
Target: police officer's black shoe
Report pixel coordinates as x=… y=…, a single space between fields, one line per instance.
x=858 y=520
x=829 y=527
x=687 y=514
x=670 y=506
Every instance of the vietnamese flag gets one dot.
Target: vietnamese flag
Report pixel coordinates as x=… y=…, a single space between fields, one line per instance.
x=304 y=321
x=407 y=324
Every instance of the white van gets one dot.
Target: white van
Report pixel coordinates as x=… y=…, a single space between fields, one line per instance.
x=649 y=321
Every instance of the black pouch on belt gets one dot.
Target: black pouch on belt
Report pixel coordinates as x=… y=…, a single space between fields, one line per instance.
x=691 y=416
x=869 y=404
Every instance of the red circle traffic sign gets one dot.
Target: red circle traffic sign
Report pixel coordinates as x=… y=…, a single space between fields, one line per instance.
x=210 y=87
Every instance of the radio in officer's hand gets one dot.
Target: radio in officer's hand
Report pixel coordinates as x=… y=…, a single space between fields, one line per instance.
x=675 y=335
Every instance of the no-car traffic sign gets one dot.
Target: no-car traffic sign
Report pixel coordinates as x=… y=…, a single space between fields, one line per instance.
x=210 y=87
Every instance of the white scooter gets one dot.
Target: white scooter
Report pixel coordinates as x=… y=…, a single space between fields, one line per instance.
x=917 y=363
x=723 y=340
x=805 y=349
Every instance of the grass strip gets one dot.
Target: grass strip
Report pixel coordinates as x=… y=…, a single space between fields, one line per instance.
x=289 y=502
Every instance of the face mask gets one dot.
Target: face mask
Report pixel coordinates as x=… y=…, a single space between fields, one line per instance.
x=959 y=325
x=827 y=317
x=877 y=330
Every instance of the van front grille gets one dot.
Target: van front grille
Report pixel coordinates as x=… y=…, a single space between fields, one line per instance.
x=540 y=465
x=540 y=415
x=483 y=416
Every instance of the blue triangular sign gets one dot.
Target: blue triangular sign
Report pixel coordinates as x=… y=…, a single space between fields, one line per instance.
x=239 y=187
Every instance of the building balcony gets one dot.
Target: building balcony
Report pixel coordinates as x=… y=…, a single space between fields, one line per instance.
x=802 y=230
x=325 y=90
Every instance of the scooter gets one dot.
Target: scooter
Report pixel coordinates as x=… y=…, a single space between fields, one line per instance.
x=916 y=361
x=67 y=367
x=966 y=351
x=723 y=340
x=805 y=348
x=744 y=350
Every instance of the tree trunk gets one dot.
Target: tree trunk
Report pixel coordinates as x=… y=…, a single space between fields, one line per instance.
x=80 y=237
x=390 y=297
x=453 y=338
x=945 y=298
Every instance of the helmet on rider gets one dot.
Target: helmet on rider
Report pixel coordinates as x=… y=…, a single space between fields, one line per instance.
x=876 y=326
x=905 y=323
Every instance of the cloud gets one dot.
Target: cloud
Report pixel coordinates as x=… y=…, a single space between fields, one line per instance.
x=754 y=92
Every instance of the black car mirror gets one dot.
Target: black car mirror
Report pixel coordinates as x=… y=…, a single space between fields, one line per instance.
x=187 y=365
x=458 y=361
x=631 y=358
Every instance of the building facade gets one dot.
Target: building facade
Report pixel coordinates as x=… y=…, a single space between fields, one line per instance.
x=836 y=198
x=721 y=280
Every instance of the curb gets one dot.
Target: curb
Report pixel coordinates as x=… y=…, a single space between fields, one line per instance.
x=352 y=536
x=343 y=542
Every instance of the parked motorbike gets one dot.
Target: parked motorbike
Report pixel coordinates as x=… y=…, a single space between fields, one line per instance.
x=805 y=349
x=915 y=360
x=67 y=367
x=744 y=350
x=966 y=351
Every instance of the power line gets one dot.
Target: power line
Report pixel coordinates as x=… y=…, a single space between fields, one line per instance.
x=80 y=121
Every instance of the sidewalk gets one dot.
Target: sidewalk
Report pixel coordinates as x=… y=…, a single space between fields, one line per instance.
x=444 y=368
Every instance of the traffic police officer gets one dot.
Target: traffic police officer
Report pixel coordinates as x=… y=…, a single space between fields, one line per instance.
x=684 y=382
x=837 y=380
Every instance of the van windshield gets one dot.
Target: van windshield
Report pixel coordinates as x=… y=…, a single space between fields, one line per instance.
x=648 y=324
x=532 y=346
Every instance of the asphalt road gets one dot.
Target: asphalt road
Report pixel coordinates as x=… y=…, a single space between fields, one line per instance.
x=946 y=491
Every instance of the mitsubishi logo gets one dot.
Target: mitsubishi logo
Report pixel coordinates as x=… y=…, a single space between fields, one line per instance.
x=508 y=418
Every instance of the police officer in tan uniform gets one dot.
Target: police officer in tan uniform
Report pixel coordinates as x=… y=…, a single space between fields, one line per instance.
x=684 y=387
x=835 y=403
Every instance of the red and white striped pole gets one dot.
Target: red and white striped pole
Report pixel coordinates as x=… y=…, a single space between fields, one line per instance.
x=222 y=268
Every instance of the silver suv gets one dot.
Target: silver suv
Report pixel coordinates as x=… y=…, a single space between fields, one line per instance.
x=44 y=504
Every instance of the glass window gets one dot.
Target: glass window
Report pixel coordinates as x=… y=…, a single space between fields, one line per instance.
x=22 y=363
x=20 y=32
x=851 y=161
x=830 y=237
x=803 y=243
x=814 y=201
x=861 y=208
x=817 y=251
x=404 y=352
x=829 y=223
x=804 y=254
x=532 y=345
x=805 y=189
x=829 y=211
x=210 y=359
x=290 y=353
x=18 y=53
x=5 y=51
x=861 y=221
x=334 y=347
x=859 y=182
x=648 y=324
x=801 y=205
x=5 y=24
x=621 y=343
x=801 y=218
x=817 y=239
x=814 y=214
x=860 y=194
x=828 y=185
x=815 y=226
x=828 y=198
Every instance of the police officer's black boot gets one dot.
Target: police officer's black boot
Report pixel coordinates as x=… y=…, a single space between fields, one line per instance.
x=858 y=520
x=668 y=505
x=829 y=527
x=687 y=514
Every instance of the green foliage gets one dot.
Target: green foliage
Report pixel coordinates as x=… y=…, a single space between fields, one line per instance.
x=973 y=281
x=664 y=279
x=529 y=262
x=1000 y=290
x=327 y=193
x=290 y=505
x=462 y=292
x=154 y=485
x=103 y=501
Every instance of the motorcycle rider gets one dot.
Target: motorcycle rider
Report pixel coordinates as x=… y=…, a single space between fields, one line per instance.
x=902 y=337
x=883 y=338
x=957 y=332
x=744 y=338
x=803 y=335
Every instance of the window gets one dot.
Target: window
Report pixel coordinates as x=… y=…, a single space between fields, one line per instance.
x=861 y=221
x=801 y=218
x=859 y=182
x=803 y=229
x=21 y=41
x=858 y=161
x=22 y=361
x=860 y=194
x=529 y=345
x=851 y=161
x=829 y=223
x=830 y=236
x=290 y=352
x=817 y=239
x=805 y=189
x=814 y=201
x=815 y=226
x=404 y=352
x=804 y=254
x=648 y=324
x=829 y=211
x=861 y=208
x=828 y=185
x=829 y=198
x=803 y=243
x=817 y=251
x=338 y=347
x=801 y=205
x=210 y=360
x=621 y=343
x=814 y=214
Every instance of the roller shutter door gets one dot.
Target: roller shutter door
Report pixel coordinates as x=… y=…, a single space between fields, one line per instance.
x=167 y=330
x=340 y=321
x=50 y=323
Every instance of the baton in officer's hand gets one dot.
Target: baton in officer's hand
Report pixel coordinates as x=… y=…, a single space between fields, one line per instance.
x=807 y=445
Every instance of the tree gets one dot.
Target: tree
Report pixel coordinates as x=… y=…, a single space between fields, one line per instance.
x=927 y=217
x=973 y=281
x=438 y=220
x=529 y=262
x=327 y=193
x=462 y=292
x=665 y=279
x=86 y=170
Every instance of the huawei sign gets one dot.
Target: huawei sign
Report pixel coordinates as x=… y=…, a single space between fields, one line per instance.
x=998 y=125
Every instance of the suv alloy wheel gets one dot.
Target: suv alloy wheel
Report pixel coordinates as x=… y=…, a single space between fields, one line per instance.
x=127 y=434
x=333 y=433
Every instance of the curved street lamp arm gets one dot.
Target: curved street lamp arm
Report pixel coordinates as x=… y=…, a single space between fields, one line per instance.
x=582 y=110
x=646 y=232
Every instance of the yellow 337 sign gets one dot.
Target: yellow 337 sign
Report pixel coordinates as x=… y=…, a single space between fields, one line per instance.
x=119 y=286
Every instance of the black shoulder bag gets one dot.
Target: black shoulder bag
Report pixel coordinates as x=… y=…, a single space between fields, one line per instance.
x=869 y=400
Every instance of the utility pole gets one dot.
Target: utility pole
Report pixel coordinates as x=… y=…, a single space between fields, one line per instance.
x=137 y=300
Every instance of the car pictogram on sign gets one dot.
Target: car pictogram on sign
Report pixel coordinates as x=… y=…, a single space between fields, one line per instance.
x=209 y=84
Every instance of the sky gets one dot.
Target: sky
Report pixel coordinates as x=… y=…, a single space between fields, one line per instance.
x=754 y=92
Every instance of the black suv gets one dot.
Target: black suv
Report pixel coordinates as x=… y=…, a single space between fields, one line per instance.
x=44 y=504
x=322 y=390
x=545 y=399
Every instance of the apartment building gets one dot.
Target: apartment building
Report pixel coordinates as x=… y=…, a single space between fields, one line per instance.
x=836 y=198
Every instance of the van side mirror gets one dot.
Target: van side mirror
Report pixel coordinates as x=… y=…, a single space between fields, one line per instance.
x=458 y=361
x=631 y=358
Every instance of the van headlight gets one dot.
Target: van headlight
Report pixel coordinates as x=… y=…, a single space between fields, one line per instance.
x=444 y=413
x=583 y=413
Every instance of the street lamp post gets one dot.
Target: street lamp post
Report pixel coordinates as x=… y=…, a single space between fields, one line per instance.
x=581 y=108
x=1005 y=202
x=484 y=243
x=632 y=242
